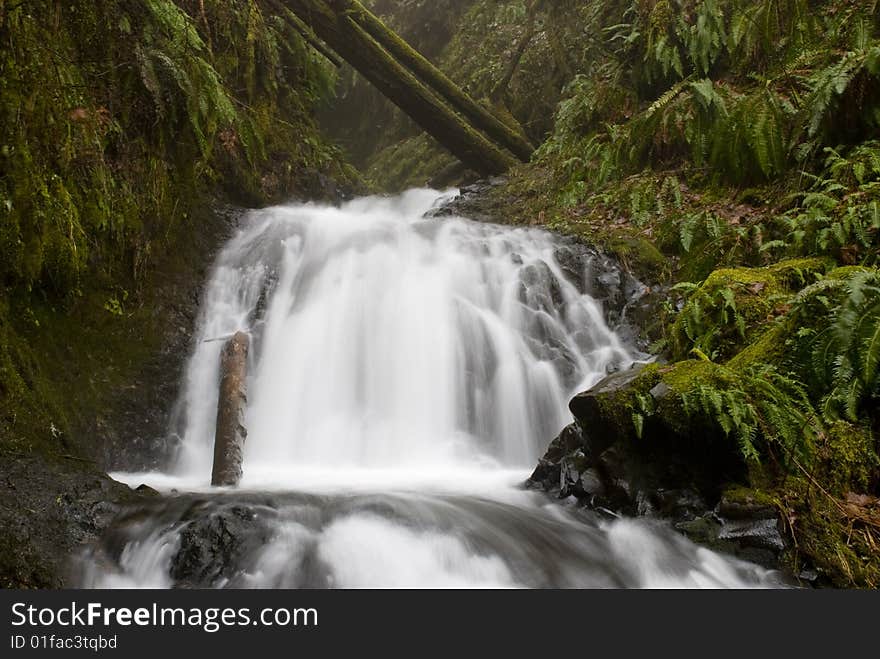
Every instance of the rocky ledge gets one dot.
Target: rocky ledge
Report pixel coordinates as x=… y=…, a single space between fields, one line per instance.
x=671 y=471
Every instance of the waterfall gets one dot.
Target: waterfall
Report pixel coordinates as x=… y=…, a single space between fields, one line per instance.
x=405 y=373
x=383 y=339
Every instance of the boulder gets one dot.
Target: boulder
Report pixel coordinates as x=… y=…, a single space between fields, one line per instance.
x=216 y=543
x=672 y=469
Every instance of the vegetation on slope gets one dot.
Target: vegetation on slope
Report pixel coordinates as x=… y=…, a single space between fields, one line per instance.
x=726 y=150
x=120 y=124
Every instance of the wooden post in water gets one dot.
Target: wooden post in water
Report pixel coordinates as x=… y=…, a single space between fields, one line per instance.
x=231 y=433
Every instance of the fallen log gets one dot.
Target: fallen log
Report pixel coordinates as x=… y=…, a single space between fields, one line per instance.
x=309 y=36
x=395 y=81
x=438 y=81
x=231 y=433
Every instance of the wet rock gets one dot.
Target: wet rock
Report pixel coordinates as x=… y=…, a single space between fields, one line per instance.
x=588 y=408
x=574 y=261
x=539 y=288
x=681 y=504
x=702 y=530
x=145 y=490
x=660 y=391
x=474 y=202
x=216 y=543
x=760 y=533
x=601 y=462
x=589 y=270
x=51 y=508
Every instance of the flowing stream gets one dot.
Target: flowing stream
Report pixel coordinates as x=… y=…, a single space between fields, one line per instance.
x=405 y=374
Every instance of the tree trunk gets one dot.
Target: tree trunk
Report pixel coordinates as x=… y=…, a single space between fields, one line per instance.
x=230 y=435
x=434 y=78
x=391 y=78
x=306 y=33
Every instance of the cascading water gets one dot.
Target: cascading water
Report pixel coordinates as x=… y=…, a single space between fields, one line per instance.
x=382 y=339
x=405 y=373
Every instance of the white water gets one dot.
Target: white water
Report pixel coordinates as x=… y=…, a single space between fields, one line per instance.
x=426 y=361
x=390 y=340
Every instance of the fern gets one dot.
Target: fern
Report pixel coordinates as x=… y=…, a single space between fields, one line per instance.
x=709 y=322
x=846 y=355
x=830 y=86
x=760 y=408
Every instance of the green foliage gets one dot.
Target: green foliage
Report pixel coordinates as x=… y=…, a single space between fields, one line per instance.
x=113 y=118
x=737 y=86
x=846 y=355
x=846 y=83
x=707 y=319
x=839 y=215
x=762 y=409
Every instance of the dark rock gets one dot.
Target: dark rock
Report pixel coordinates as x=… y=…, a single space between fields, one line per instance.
x=539 y=288
x=474 y=202
x=589 y=270
x=760 y=533
x=600 y=431
x=146 y=490
x=681 y=504
x=702 y=530
x=545 y=476
x=569 y=440
x=660 y=391
x=620 y=480
x=744 y=507
x=217 y=542
x=601 y=462
x=51 y=508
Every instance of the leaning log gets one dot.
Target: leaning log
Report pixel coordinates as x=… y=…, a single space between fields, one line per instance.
x=309 y=37
x=434 y=78
x=231 y=433
x=399 y=85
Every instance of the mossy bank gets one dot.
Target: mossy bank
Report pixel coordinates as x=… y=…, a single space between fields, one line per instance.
x=126 y=133
x=725 y=152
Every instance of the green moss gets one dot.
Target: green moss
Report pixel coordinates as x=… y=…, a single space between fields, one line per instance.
x=682 y=376
x=733 y=307
x=846 y=272
x=842 y=549
x=118 y=127
x=640 y=256
x=740 y=494
x=847 y=458
x=792 y=274
x=768 y=348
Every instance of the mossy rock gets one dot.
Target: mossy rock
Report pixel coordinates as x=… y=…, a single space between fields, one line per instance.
x=768 y=348
x=785 y=343
x=645 y=410
x=734 y=306
x=843 y=551
x=847 y=458
x=640 y=256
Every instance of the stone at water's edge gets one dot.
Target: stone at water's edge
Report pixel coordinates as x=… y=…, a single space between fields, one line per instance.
x=599 y=460
x=231 y=433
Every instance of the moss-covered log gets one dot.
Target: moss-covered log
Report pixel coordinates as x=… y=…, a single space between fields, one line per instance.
x=479 y=116
x=396 y=82
x=309 y=36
